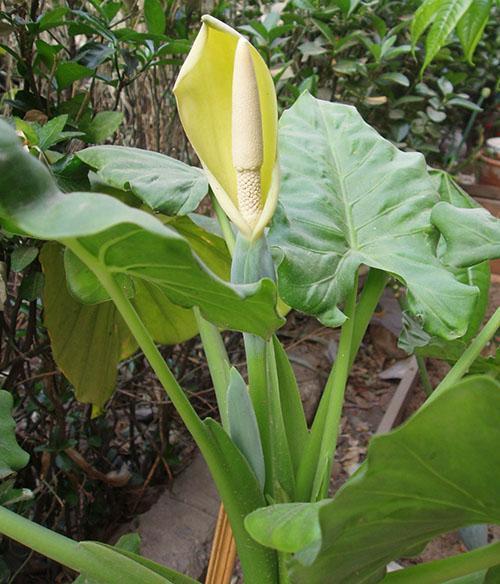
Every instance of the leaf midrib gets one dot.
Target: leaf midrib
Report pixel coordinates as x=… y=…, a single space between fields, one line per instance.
x=351 y=235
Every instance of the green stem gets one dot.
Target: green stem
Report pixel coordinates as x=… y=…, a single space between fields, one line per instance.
x=44 y=541
x=145 y=341
x=372 y=291
x=424 y=375
x=440 y=571
x=255 y=559
x=468 y=357
x=218 y=362
x=337 y=391
x=355 y=329
x=224 y=223
x=73 y=554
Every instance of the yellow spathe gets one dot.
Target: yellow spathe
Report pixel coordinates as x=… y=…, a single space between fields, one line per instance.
x=204 y=92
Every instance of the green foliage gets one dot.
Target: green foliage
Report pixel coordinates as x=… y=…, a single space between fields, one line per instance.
x=414 y=338
x=363 y=56
x=12 y=456
x=155 y=17
x=443 y=16
x=88 y=341
x=471 y=26
x=420 y=480
x=122 y=240
x=368 y=204
x=480 y=234
x=348 y=198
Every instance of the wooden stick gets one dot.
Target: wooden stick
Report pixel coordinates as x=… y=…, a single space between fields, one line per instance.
x=223 y=554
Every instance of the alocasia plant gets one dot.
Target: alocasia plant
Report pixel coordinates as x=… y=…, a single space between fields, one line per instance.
x=139 y=269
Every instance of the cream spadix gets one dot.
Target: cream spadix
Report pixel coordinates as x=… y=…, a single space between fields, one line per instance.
x=247 y=144
x=227 y=105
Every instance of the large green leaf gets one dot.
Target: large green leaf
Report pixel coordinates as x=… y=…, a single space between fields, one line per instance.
x=119 y=240
x=349 y=197
x=471 y=26
x=12 y=456
x=471 y=235
x=437 y=472
x=163 y=183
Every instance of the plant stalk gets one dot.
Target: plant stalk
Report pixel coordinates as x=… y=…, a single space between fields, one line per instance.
x=224 y=223
x=45 y=541
x=470 y=354
x=424 y=375
x=218 y=362
x=256 y=560
x=354 y=328
x=340 y=374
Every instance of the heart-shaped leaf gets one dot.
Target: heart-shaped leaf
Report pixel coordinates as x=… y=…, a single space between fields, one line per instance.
x=348 y=198
x=119 y=240
x=437 y=472
x=163 y=183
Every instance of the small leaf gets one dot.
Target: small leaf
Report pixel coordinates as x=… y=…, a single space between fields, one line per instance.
x=290 y=527
x=394 y=77
x=465 y=103
x=422 y=18
x=93 y=54
x=155 y=17
x=69 y=72
x=50 y=133
x=32 y=286
x=102 y=126
x=243 y=427
x=22 y=257
x=52 y=18
x=12 y=456
x=434 y=115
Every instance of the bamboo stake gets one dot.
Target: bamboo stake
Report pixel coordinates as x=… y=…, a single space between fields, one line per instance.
x=223 y=554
